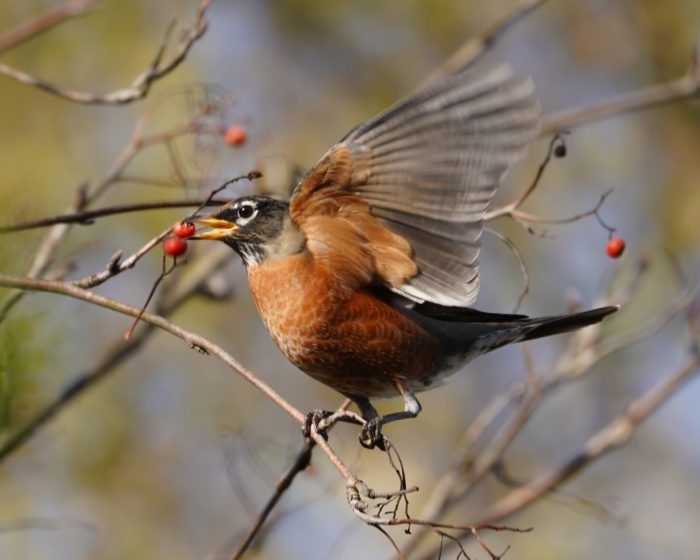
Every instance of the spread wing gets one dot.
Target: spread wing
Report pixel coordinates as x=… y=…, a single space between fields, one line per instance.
x=411 y=185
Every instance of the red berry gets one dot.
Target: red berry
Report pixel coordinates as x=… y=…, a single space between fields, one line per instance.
x=184 y=229
x=174 y=246
x=615 y=247
x=235 y=135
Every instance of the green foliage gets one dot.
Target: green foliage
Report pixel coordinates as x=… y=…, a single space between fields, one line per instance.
x=19 y=360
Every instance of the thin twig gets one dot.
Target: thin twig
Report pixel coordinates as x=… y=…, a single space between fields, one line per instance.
x=521 y=263
x=556 y=142
x=165 y=271
x=528 y=218
x=116 y=266
x=390 y=539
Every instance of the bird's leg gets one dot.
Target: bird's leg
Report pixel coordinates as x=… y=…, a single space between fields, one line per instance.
x=367 y=411
x=371 y=434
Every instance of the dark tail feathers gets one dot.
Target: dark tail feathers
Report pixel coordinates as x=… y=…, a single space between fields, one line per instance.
x=547 y=326
x=461 y=331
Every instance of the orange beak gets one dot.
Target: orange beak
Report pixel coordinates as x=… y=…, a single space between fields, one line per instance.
x=219 y=228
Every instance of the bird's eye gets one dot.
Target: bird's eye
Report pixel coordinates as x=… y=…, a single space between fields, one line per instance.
x=246 y=212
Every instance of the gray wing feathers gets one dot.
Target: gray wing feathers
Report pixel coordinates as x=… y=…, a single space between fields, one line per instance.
x=436 y=161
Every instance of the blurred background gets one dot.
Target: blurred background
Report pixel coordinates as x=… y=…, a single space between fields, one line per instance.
x=172 y=454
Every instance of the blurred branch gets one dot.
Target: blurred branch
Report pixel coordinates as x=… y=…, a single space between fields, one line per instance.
x=685 y=87
x=614 y=435
x=186 y=286
x=193 y=340
x=86 y=217
x=49 y=19
x=477 y=45
x=140 y=87
x=301 y=461
x=44 y=524
x=585 y=349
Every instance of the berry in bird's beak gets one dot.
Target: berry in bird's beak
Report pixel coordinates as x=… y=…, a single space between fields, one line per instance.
x=184 y=229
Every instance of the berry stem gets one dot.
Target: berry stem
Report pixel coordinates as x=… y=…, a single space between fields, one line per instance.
x=163 y=274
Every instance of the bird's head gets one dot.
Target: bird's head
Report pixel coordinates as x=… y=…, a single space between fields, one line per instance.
x=256 y=227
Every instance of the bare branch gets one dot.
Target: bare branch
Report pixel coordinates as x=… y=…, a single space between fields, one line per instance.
x=86 y=217
x=192 y=339
x=477 y=45
x=141 y=85
x=685 y=87
x=41 y=23
x=614 y=435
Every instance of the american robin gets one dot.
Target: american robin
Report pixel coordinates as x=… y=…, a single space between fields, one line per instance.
x=366 y=276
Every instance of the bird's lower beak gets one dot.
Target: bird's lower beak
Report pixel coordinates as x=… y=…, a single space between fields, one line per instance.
x=219 y=228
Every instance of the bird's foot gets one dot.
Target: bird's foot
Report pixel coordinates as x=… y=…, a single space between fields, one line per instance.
x=314 y=419
x=371 y=434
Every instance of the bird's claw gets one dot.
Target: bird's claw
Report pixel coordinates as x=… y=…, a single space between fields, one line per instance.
x=314 y=418
x=371 y=435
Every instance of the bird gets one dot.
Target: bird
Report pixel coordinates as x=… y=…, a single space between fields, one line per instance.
x=366 y=278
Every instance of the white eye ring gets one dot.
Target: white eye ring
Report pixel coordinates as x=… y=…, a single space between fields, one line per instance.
x=249 y=209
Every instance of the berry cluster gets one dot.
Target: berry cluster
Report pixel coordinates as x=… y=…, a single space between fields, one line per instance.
x=176 y=246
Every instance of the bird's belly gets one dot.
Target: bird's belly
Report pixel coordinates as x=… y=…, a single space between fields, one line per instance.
x=346 y=339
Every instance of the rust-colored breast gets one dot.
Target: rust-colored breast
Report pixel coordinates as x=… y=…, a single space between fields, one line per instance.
x=341 y=336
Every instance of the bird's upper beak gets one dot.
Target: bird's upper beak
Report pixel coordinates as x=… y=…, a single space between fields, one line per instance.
x=219 y=228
